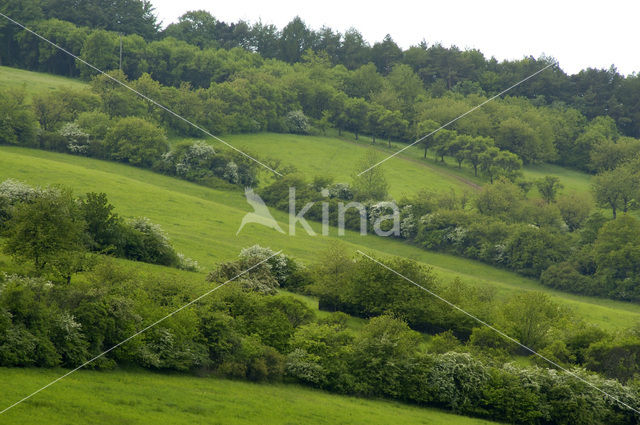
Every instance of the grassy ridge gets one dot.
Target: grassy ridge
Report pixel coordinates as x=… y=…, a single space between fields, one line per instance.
x=141 y=397
x=202 y=222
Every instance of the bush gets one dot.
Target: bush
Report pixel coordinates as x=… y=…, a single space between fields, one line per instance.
x=531 y=250
x=18 y=124
x=456 y=381
x=146 y=241
x=136 y=141
x=297 y=122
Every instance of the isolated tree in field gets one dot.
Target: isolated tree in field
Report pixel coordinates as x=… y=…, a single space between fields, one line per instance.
x=371 y=185
x=548 y=186
x=616 y=188
x=48 y=232
x=458 y=148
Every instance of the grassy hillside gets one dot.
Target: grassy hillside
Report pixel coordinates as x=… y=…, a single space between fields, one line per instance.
x=140 y=397
x=35 y=82
x=340 y=158
x=406 y=173
x=202 y=222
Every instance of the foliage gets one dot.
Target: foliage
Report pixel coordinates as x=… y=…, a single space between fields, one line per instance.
x=136 y=142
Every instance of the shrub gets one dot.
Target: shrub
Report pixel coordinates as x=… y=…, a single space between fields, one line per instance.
x=146 y=241
x=136 y=141
x=297 y=122
x=456 y=381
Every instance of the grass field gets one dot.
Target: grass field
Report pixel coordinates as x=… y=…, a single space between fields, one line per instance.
x=141 y=397
x=35 y=82
x=339 y=158
x=407 y=173
x=202 y=222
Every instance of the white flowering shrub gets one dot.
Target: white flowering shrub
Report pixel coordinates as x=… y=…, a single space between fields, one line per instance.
x=456 y=236
x=186 y=263
x=297 y=122
x=230 y=173
x=305 y=367
x=341 y=191
x=150 y=243
x=14 y=191
x=408 y=225
x=190 y=159
x=277 y=264
x=457 y=380
x=77 y=139
x=263 y=277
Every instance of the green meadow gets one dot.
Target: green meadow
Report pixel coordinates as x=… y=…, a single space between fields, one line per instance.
x=137 y=396
x=35 y=82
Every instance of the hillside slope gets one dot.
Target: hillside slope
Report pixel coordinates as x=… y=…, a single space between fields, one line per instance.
x=203 y=222
x=141 y=397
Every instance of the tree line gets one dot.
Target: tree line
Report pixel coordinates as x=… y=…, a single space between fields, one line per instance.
x=593 y=92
